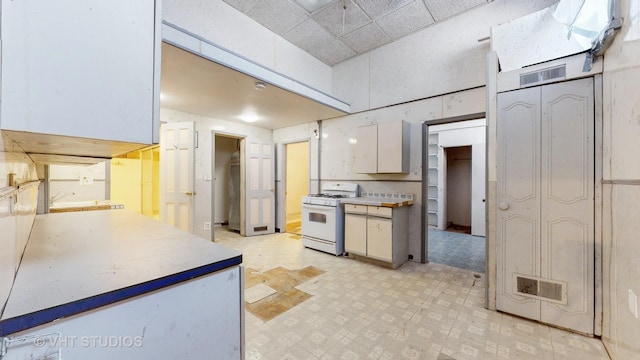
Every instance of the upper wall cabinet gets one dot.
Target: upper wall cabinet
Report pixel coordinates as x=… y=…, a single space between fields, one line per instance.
x=80 y=77
x=383 y=148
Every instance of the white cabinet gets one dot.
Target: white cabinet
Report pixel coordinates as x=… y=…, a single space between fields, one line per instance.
x=383 y=148
x=80 y=78
x=377 y=232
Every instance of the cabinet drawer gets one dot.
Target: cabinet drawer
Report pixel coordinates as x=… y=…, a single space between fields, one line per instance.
x=355 y=209
x=380 y=211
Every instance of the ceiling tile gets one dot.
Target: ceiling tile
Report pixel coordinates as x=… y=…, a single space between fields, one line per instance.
x=308 y=35
x=406 y=20
x=242 y=5
x=442 y=9
x=333 y=52
x=331 y=18
x=365 y=38
x=277 y=15
x=379 y=8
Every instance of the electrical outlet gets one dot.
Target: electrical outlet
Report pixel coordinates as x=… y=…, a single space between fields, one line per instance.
x=207 y=225
x=633 y=303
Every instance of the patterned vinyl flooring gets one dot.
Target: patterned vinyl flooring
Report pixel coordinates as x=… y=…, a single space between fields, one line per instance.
x=357 y=310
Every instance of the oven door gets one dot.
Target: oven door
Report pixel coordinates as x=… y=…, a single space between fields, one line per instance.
x=319 y=222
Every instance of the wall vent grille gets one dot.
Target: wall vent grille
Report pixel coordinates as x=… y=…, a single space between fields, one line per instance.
x=541 y=289
x=544 y=76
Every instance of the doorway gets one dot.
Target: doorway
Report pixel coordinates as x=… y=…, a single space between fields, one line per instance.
x=296 y=184
x=142 y=168
x=228 y=190
x=455 y=195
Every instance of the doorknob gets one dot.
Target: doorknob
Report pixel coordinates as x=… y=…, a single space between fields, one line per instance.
x=503 y=206
x=189 y=193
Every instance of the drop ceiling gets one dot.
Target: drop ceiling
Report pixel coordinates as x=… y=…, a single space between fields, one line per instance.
x=337 y=30
x=341 y=29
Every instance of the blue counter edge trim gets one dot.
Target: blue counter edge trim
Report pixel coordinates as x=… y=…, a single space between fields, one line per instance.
x=24 y=322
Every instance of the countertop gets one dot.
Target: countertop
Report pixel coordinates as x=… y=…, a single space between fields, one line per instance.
x=378 y=201
x=78 y=261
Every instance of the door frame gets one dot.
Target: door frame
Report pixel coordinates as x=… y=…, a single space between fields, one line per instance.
x=281 y=180
x=242 y=139
x=424 y=256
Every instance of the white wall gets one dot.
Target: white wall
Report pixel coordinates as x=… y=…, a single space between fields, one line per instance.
x=338 y=153
x=621 y=175
x=70 y=183
x=16 y=219
x=440 y=59
x=226 y=27
x=204 y=167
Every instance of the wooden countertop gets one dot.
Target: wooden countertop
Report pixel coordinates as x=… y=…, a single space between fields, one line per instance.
x=382 y=202
x=79 y=261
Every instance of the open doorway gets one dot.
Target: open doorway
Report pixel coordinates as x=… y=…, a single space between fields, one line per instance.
x=228 y=190
x=296 y=184
x=455 y=154
x=141 y=168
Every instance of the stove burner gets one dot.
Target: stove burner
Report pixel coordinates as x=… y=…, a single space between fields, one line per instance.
x=330 y=196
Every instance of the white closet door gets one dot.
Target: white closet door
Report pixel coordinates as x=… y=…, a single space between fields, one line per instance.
x=567 y=236
x=545 y=228
x=518 y=225
x=260 y=217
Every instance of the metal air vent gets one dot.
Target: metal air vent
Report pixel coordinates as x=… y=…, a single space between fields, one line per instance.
x=541 y=289
x=543 y=76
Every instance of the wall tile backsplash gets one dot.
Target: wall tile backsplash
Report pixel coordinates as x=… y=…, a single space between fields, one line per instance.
x=396 y=196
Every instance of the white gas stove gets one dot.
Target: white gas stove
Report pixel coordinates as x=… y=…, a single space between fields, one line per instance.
x=323 y=217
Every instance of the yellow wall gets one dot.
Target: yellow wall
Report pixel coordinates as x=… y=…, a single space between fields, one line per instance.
x=297 y=179
x=125 y=183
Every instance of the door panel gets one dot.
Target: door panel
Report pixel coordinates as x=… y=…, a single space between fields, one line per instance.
x=568 y=201
x=518 y=197
x=379 y=238
x=355 y=234
x=260 y=189
x=177 y=180
x=546 y=202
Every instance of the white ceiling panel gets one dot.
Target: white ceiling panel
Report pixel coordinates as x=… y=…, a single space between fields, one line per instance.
x=242 y=5
x=380 y=8
x=333 y=52
x=323 y=33
x=366 y=38
x=331 y=18
x=406 y=20
x=443 y=9
x=277 y=15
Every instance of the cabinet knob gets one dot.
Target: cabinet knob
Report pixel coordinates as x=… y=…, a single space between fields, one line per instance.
x=503 y=206
x=189 y=193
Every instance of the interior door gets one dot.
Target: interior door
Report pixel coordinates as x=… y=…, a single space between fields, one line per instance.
x=546 y=204
x=177 y=185
x=260 y=189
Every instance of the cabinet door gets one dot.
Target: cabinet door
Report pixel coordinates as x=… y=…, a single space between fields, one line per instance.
x=393 y=147
x=367 y=149
x=85 y=69
x=380 y=239
x=355 y=234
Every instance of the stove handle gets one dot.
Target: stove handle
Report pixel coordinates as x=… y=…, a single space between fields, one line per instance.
x=318 y=207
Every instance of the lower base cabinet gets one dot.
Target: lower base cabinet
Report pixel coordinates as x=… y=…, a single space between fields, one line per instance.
x=378 y=233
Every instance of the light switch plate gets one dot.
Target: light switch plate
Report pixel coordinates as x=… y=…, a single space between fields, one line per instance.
x=633 y=303
x=207 y=225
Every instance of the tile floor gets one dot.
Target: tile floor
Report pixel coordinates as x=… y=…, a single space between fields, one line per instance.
x=419 y=311
x=456 y=249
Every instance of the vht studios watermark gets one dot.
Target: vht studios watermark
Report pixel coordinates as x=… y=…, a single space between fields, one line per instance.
x=101 y=341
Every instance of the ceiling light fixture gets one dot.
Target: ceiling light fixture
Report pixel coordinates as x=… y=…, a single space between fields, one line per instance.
x=260 y=85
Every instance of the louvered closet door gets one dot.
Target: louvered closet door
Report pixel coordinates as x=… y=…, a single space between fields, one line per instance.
x=545 y=227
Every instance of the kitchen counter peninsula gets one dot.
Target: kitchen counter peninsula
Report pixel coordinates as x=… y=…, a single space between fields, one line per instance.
x=118 y=274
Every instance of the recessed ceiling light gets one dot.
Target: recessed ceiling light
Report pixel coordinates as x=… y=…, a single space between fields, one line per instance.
x=312 y=5
x=260 y=85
